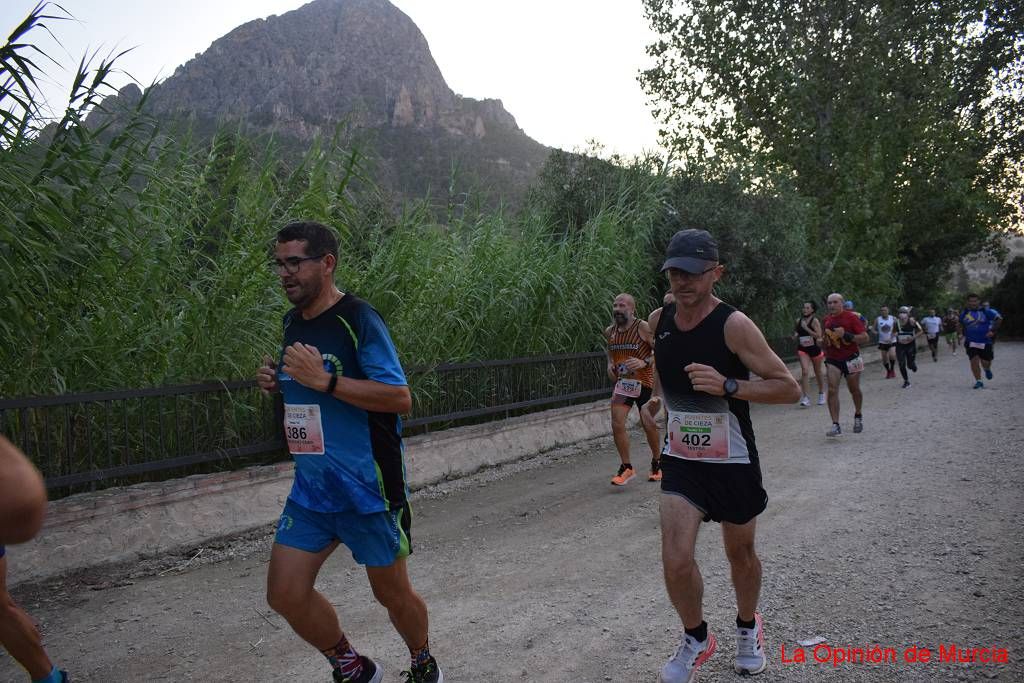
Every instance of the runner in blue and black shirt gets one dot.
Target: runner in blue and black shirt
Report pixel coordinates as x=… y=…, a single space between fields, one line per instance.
x=979 y=325
x=343 y=389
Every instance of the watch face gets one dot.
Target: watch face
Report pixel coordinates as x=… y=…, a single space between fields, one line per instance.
x=730 y=387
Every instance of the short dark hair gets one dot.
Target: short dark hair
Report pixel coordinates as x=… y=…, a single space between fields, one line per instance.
x=814 y=306
x=972 y=295
x=320 y=239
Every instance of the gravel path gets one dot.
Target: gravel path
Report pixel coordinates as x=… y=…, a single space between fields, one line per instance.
x=908 y=534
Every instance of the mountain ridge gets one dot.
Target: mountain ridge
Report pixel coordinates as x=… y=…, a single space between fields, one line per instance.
x=364 y=63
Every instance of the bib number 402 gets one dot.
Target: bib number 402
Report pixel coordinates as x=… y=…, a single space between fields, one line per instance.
x=695 y=440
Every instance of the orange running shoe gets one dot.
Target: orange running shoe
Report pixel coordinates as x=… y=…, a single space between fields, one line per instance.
x=624 y=476
x=655 y=474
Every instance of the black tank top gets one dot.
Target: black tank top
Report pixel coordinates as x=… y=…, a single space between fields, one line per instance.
x=901 y=331
x=705 y=344
x=799 y=328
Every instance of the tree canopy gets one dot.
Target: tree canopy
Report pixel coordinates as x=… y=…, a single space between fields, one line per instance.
x=901 y=121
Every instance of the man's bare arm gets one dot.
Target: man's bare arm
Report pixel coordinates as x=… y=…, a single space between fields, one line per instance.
x=22 y=496
x=743 y=338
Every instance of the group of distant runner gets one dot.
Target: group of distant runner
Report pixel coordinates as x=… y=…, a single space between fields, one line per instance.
x=835 y=344
x=689 y=363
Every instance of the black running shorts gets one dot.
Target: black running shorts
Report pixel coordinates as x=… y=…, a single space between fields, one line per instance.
x=840 y=364
x=984 y=354
x=723 y=492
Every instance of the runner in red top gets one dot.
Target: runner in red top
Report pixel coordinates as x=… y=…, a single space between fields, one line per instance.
x=844 y=331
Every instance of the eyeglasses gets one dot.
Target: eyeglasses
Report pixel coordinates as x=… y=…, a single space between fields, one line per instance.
x=291 y=264
x=683 y=275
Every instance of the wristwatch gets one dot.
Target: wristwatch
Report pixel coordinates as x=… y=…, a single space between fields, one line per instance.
x=730 y=387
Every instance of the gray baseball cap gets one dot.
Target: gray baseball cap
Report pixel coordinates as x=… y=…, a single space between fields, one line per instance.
x=693 y=251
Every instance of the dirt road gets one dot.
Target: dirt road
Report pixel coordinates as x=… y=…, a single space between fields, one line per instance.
x=908 y=534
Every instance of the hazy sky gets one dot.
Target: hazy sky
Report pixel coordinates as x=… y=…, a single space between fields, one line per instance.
x=566 y=69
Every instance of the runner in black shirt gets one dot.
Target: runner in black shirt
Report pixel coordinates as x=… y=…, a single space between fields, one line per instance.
x=704 y=353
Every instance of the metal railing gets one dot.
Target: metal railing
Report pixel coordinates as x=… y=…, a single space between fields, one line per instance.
x=90 y=440
x=97 y=439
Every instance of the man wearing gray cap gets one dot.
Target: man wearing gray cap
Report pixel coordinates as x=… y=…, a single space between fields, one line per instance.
x=704 y=352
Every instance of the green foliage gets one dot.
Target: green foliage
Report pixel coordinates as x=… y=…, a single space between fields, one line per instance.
x=1007 y=297
x=761 y=227
x=762 y=236
x=135 y=254
x=898 y=120
x=136 y=257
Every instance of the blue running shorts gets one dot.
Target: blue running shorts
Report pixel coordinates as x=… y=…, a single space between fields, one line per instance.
x=376 y=539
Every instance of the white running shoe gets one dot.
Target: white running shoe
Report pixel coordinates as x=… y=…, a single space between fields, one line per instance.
x=682 y=666
x=835 y=431
x=750 y=657
x=804 y=401
x=821 y=399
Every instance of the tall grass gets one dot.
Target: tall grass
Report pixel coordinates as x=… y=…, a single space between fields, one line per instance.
x=135 y=255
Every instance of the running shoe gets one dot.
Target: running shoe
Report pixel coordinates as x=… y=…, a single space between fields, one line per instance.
x=804 y=401
x=655 y=474
x=624 y=476
x=750 y=657
x=979 y=384
x=988 y=373
x=835 y=431
x=890 y=374
x=371 y=673
x=428 y=672
x=821 y=399
x=858 y=424
x=906 y=384
x=689 y=655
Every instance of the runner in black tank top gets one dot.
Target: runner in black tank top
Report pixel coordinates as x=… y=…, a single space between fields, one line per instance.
x=704 y=353
x=705 y=344
x=807 y=332
x=907 y=330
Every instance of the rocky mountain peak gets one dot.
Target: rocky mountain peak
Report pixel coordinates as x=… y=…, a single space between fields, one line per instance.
x=303 y=71
x=362 y=62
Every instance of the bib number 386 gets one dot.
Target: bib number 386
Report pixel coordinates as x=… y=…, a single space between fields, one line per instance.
x=698 y=436
x=303 y=429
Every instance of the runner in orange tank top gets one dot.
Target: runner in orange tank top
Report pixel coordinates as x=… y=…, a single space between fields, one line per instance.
x=630 y=360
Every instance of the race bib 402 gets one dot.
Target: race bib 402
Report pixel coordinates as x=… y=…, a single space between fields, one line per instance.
x=698 y=436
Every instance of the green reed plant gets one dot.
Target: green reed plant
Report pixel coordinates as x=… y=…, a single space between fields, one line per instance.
x=135 y=254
